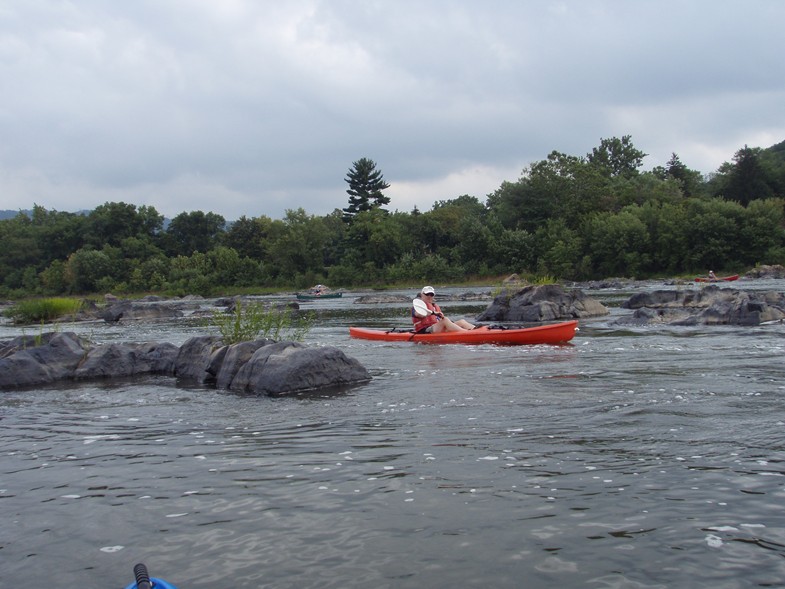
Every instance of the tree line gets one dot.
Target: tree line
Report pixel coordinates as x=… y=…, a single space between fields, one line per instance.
x=567 y=217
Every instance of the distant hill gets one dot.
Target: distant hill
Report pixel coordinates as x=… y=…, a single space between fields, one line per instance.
x=9 y=214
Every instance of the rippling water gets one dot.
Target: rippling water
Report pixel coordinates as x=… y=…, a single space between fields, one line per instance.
x=645 y=458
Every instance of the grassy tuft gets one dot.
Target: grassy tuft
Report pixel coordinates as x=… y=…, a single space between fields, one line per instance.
x=42 y=310
x=254 y=321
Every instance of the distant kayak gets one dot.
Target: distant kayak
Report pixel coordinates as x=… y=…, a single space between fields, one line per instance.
x=314 y=296
x=555 y=333
x=718 y=279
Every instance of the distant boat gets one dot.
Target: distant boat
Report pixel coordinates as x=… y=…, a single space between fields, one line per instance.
x=717 y=279
x=309 y=296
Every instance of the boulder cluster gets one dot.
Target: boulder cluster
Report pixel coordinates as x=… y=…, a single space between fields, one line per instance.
x=549 y=302
x=261 y=367
x=710 y=305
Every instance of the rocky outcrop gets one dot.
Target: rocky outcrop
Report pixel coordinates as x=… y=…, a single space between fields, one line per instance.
x=261 y=367
x=773 y=271
x=230 y=303
x=131 y=310
x=52 y=357
x=548 y=302
x=289 y=367
x=36 y=360
x=710 y=305
x=265 y=367
x=609 y=283
x=228 y=360
x=127 y=359
x=196 y=355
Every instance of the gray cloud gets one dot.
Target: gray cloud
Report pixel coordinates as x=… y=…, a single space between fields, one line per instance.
x=248 y=108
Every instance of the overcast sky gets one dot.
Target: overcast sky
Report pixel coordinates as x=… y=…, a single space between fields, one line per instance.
x=252 y=107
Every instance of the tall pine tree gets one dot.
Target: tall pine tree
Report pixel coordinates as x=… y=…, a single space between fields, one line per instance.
x=748 y=179
x=366 y=184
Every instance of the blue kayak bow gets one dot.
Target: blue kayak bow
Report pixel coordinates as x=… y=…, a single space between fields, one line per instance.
x=144 y=581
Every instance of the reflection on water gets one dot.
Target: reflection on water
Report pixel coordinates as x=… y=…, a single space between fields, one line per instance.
x=649 y=457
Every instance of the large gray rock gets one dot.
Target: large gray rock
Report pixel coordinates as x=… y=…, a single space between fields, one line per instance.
x=29 y=361
x=289 y=367
x=548 y=302
x=235 y=357
x=710 y=305
x=264 y=367
x=196 y=355
x=128 y=359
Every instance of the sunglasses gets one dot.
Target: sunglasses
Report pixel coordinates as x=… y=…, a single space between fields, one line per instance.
x=430 y=294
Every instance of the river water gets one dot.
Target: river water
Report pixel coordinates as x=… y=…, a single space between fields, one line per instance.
x=647 y=457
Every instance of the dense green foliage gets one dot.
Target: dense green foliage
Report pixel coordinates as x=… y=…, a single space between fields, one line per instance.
x=571 y=217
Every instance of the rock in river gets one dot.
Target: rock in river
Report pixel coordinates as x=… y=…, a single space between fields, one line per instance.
x=260 y=367
x=549 y=302
x=710 y=305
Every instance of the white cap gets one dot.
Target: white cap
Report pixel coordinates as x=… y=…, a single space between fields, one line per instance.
x=428 y=290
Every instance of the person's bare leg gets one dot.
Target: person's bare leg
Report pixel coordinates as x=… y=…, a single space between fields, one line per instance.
x=446 y=325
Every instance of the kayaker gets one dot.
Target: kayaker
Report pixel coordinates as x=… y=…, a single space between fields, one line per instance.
x=712 y=275
x=434 y=321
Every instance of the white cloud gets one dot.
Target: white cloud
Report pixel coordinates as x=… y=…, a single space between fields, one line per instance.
x=477 y=181
x=253 y=107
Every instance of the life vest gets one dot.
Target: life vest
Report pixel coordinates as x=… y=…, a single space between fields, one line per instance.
x=421 y=323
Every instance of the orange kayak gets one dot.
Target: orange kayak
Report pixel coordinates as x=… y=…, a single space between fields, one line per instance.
x=555 y=333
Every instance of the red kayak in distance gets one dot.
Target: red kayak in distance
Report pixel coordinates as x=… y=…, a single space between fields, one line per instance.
x=555 y=333
x=718 y=279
